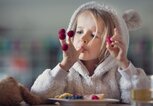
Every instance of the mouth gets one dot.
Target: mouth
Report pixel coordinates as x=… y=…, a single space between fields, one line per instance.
x=84 y=49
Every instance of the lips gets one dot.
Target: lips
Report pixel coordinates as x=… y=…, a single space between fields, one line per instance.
x=83 y=48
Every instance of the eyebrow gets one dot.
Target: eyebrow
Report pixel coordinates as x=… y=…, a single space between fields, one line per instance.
x=80 y=27
x=99 y=33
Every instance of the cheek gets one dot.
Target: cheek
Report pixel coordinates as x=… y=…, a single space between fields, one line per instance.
x=96 y=47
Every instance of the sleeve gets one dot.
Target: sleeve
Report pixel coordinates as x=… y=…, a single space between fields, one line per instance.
x=50 y=83
x=132 y=77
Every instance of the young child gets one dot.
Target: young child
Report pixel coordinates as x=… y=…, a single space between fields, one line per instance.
x=96 y=59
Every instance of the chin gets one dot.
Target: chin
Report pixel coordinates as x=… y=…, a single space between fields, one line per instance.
x=85 y=58
x=82 y=57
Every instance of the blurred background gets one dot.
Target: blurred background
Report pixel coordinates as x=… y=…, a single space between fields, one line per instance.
x=29 y=42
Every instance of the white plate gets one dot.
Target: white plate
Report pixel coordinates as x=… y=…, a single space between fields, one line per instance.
x=77 y=102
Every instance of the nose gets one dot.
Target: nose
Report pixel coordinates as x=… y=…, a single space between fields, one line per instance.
x=84 y=39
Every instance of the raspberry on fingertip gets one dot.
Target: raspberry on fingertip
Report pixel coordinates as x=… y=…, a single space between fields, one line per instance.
x=64 y=47
x=61 y=34
x=70 y=33
x=61 y=31
x=108 y=40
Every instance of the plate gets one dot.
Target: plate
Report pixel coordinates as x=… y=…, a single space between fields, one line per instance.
x=78 y=102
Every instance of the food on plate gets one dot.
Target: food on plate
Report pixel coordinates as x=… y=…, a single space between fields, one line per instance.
x=94 y=97
x=77 y=96
x=69 y=96
x=62 y=96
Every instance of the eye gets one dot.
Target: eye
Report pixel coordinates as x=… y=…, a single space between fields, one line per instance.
x=79 y=32
x=92 y=35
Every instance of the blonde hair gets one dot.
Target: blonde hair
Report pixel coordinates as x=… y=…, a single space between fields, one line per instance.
x=108 y=29
x=109 y=26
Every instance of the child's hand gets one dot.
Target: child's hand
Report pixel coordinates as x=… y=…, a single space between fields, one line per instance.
x=117 y=49
x=70 y=54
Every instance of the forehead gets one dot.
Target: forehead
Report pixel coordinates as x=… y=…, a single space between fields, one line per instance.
x=91 y=18
x=85 y=18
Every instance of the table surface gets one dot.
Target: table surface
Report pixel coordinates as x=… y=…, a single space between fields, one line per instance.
x=24 y=104
x=103 y=104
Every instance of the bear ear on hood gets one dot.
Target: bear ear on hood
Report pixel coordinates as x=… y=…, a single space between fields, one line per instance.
x=132 y=19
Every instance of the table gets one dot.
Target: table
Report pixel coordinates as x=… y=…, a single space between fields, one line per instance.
x=118 y=104
x=109 y=104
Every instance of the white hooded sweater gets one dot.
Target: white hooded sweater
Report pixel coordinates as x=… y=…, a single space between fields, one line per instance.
x=108 y=78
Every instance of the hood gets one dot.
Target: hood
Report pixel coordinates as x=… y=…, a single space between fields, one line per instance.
x=128 y=21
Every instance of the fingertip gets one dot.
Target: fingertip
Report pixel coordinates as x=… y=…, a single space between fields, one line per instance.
x=65 y=47
x=107 y=45
x=115 y=29
x=69 y=40
x=62 y=36
x=79 y=50
x=70 y=33
x=62 y=30
x=109 y=40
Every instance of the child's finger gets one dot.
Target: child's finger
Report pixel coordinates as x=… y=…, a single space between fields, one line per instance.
x=62 y=36
x=118 y=45
x=65 y=47
x=108 y=40
x=79 y=50
x=109 y=46
x=70 y=36
x=70 y=33
x=62 y=41
x=116 y=31
x=116 y=36
x=69 y=40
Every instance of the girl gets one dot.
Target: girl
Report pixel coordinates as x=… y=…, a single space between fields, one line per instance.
x=91 y=65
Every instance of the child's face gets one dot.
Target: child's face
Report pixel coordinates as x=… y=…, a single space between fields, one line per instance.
x=88 y=36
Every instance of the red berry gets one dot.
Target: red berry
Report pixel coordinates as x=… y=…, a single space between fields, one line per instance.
x=108 y=40
x=62 y=36
x=64 y=47
x=61 y=31
x=70 y=33
x=94 y=97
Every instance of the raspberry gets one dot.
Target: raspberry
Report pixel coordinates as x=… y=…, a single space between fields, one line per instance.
x=62 y=36
x=64 y=47
x=61 y=31
x=108 y=39
x=70 y=33
x=94 y=97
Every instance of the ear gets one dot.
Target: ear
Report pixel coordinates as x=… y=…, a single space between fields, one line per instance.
x=132 y=19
